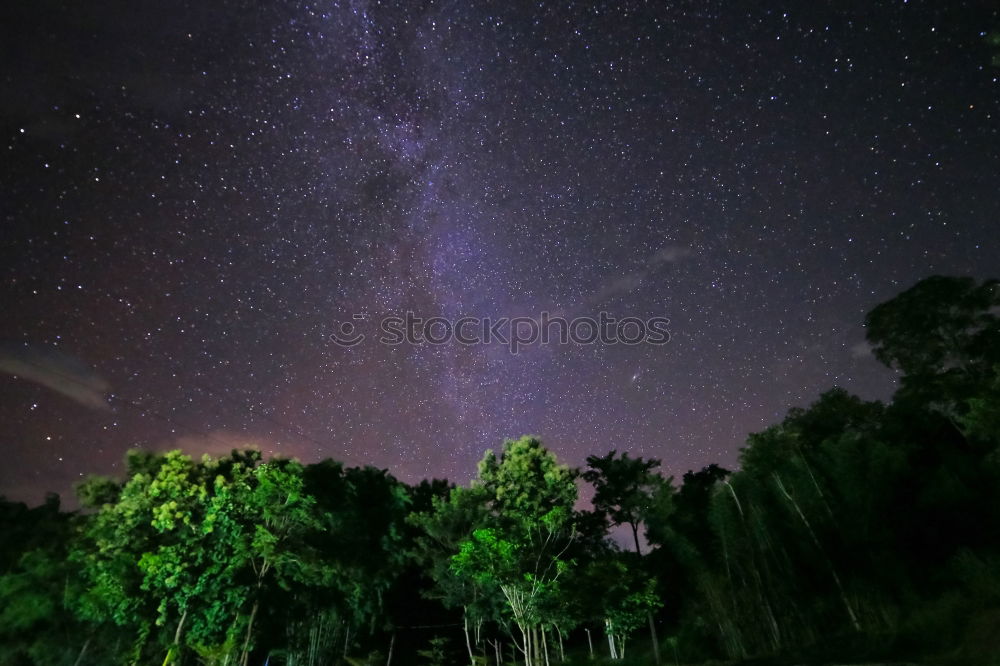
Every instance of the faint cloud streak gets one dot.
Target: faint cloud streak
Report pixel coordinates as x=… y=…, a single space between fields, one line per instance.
x=62 y=373
x=629 y=282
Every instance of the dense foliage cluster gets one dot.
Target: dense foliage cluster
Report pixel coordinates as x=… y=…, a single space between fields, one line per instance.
x=851 y=529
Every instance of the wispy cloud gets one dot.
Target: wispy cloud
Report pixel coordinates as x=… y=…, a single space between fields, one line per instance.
x=62 y=373
x=629 y=282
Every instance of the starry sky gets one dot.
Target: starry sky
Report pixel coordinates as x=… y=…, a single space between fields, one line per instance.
x=195 y=195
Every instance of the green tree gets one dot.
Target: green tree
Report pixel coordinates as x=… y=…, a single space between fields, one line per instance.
x=443 y=528
x=107 y=554
x=279 y=519
x=628 y=490
x=38 y=588
x=530 y=526
x=943 y=335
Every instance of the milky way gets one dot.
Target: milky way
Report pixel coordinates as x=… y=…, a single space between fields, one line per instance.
x=197 y=195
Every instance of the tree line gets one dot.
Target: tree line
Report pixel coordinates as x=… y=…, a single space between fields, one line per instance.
x=851 y=529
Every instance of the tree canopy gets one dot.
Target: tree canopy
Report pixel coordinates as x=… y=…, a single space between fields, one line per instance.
x=851 y=528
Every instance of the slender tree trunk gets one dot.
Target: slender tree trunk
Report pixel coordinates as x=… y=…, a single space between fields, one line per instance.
x=655 y=640
x=611 y=639
x=815 y=539
x=180 y=628
x=545 y=647
x=759 y=587
x=171 y=651
x=562 y=653
x=649 y=614
x=347 y=640
x=815 y=482
x=590 y=643
x=83 y=650
x=392 y=644
x=535 y=652
x=465 y=628
x=314 y=636
x=245 y=655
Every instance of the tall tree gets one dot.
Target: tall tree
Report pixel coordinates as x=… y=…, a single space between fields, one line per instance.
x=943 y=334
x=530 y=526
x=627 y=490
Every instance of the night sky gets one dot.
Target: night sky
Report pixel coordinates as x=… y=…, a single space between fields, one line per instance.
x=195 y=195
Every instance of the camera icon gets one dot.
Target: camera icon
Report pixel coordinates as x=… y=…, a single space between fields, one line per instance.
x=346 y=333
